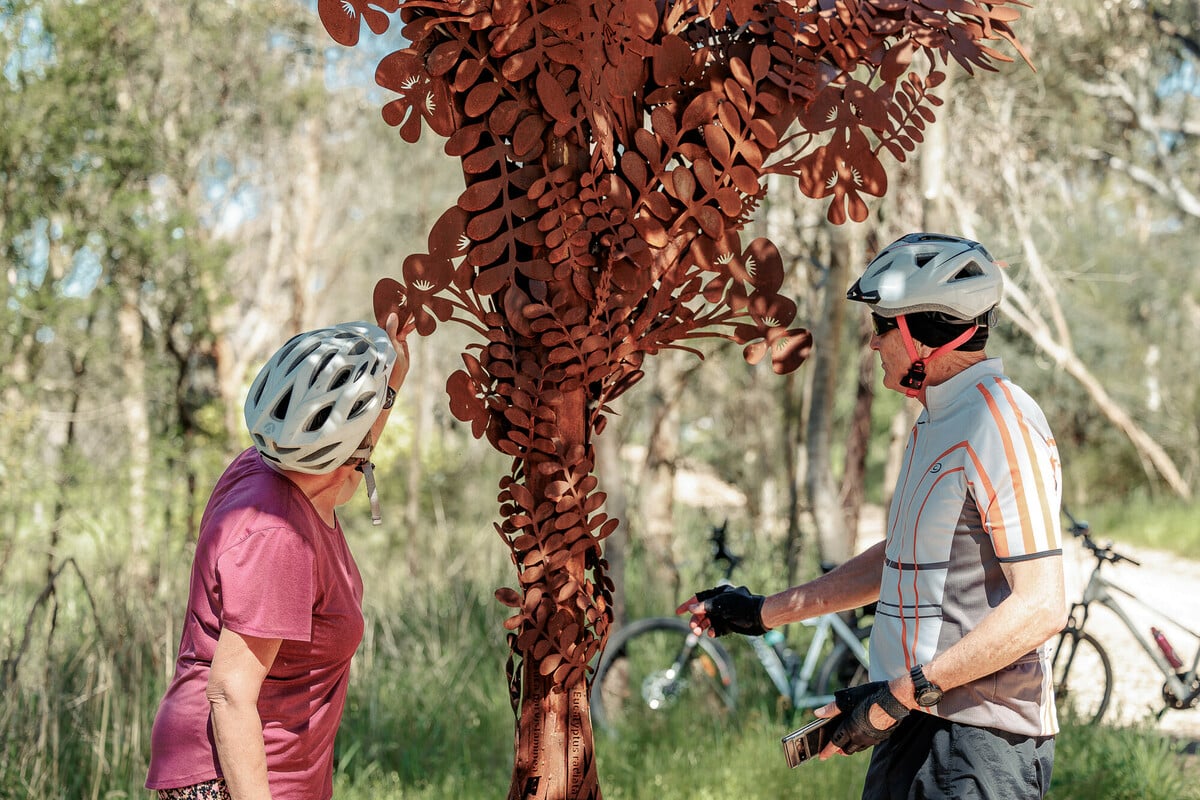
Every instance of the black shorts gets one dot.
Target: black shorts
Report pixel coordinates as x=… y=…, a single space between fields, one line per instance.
x=930 y=757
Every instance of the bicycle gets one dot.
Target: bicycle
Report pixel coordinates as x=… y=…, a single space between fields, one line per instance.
x=1082 y=670
x=655 y=668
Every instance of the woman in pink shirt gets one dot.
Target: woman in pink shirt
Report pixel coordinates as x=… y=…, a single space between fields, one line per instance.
x=275 y=606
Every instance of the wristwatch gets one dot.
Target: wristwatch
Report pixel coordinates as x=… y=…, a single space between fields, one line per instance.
x=926 y=691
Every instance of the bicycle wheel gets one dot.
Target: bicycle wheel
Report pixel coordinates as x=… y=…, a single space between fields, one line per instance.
x=654 y=674
x=842 y=669
x=1082 y=677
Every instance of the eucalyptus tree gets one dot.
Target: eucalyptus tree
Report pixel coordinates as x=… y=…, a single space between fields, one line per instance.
x=135 y=130
x=1082 y=177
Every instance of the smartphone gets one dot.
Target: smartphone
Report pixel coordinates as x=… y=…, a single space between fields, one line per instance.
x=801 y=745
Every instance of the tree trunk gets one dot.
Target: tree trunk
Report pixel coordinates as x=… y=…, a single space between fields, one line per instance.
x=137 y=422
x=657 y=500
x=555 y=750
x=858 y=438
x=935 y=209
x=306 y=208
x=832 y=535
x=419 y=396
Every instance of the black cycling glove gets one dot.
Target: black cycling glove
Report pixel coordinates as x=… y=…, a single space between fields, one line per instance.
x=854 y=731
x=733 y=610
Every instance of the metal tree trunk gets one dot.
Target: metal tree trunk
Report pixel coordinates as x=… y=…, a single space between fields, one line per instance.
x=554 y=748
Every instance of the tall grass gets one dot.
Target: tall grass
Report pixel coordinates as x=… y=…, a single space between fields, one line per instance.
x=428 y=714
x=79 y=698
x=1168 y=525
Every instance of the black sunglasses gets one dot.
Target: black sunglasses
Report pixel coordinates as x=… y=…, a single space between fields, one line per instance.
x=883 y=324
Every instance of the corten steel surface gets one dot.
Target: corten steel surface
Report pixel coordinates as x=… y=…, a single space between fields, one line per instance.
x=612 y=152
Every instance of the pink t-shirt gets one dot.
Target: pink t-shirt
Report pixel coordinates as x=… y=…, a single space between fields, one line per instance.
x=268 y=566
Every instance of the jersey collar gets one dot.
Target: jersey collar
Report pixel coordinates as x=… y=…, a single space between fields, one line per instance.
x=941 y=398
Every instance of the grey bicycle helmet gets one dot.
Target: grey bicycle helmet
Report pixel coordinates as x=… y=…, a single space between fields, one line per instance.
x=931 y=272
x=315 y=400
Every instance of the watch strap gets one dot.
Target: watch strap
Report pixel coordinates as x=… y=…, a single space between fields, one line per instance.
x=922 y=685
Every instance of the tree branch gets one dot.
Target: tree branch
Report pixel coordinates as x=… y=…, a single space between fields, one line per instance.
x=1170 y=188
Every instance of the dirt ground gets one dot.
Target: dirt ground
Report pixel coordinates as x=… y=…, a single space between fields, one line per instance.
x=1164 y=583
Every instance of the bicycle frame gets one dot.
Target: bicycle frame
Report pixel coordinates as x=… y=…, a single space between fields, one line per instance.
x=797 y=691
x=1100 y=590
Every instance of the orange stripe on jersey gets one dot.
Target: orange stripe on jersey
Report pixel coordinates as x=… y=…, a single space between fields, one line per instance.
x=1053 y=533
x=1041 y=481
x=902 y=490
x=909 y=660
x=1014 y=468
x=998 y=529
x=893 y=524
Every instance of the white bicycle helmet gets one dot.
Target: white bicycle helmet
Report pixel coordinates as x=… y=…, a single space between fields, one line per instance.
x=314 y=402
x=931 y=272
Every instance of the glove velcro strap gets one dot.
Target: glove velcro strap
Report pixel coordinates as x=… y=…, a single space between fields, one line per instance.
x=850 y=698
x=888 y=702
x=855 y=731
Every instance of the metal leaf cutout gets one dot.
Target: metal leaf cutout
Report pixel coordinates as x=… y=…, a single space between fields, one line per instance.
x=612 y=151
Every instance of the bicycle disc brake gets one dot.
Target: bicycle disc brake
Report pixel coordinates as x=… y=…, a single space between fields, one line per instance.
x=661 y=689
x=1182 y=703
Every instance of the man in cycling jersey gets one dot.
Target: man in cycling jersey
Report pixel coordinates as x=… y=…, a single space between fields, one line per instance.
x=969 y=580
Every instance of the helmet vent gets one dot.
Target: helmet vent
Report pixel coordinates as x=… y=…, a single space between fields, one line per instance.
x=300 y=359
x=317 y=420
x=340 y=379
x=281 y=408
x=360 y=347
x=258 y=390
x=360 y=405
x=318 y=454
x=316 y=373
x=969 y=270
x=288 y=348
x=924 y=258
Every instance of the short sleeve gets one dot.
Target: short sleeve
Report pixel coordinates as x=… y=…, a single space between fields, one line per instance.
x=1016 y=476
x=267 y=585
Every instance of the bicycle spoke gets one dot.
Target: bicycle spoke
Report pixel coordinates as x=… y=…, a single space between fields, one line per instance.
x=640 y=685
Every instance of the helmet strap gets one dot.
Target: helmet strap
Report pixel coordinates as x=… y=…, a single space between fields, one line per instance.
x=368 y=470
x=914 y=380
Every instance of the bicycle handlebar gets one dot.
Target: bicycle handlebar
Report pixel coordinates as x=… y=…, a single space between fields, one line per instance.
x=1102 y=552
x=720 y=549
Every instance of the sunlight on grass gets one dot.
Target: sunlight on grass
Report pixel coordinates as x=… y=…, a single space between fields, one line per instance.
x=428 y=714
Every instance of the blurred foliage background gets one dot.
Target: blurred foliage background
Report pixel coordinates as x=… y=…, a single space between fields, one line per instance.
x=184 y=185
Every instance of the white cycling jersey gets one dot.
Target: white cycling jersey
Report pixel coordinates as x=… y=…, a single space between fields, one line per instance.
x=980 y=485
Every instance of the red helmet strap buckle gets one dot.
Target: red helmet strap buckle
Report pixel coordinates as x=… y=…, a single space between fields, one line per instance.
x=914 y=379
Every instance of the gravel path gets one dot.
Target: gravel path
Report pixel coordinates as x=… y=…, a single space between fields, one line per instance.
x=1164 y=582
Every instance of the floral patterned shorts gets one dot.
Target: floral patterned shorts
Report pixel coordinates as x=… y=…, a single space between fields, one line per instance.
x=209 y=790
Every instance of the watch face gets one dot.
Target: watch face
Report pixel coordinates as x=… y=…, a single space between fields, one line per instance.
x=925 y=692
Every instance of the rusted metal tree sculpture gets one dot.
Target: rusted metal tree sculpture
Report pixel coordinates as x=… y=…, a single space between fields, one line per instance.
x=613 y=149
